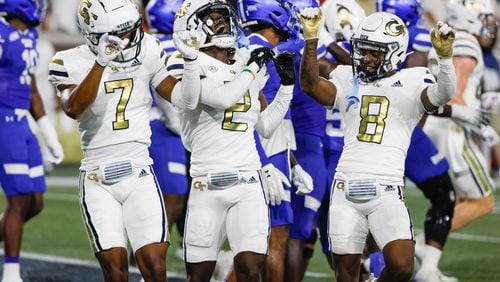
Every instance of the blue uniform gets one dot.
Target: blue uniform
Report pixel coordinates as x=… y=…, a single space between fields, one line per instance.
x=21 y=164
x=308 y=119
x=280 y=214
x=423 y=160
x=166 y=150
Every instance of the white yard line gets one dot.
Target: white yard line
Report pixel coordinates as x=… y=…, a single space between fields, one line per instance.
x=80 y=262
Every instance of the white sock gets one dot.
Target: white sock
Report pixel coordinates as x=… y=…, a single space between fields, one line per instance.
x=432 y=256
x=420 y=246
x=11 y=272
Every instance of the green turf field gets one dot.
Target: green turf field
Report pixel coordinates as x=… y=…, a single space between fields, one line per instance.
x=471 y=255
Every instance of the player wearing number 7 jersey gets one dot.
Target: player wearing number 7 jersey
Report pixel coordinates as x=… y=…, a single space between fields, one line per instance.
x=380 y=107
x=105 y=85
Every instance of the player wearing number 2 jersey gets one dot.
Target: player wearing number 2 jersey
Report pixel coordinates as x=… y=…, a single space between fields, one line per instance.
x=380 y=107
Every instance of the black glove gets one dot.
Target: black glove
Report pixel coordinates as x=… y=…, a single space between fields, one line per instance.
x=260 y=56
x=285 y=67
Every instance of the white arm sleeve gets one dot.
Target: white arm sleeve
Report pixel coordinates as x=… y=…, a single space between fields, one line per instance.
x=224 y=96
x=186 y=93
x=441 y=92
x=171 y=118
x=272 y=116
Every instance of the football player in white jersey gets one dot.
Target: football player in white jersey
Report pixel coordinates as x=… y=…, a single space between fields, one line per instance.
x=380 y=107
x=228 y=196
x=468 y=167
x=105 y=86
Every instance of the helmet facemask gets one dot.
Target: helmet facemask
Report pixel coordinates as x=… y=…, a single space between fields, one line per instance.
x=219 y=22
x=359 y=65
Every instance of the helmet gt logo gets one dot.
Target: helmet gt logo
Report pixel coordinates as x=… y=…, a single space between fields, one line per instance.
x=84 y=12
x=182 y=10
x=345 y=17
x=399 y=29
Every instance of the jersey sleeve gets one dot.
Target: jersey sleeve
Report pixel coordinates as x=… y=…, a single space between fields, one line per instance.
x=466 y=46
x=158 y=61
x=175 y=65
x=426 y=79
x=59 y=73
x=341 y=76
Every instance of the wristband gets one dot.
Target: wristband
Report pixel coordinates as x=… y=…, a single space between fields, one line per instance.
x=250 y=71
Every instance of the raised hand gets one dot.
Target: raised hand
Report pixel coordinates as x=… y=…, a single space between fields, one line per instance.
x=109 y=47
x=285 y=67
x=188 y=42
x=442 y=38
x=311 y=20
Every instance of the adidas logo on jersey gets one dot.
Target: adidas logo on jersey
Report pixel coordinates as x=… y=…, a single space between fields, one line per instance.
x=136 y=62
x=397 y=84
x=143 y=173
x=389 y=188
x=252 y=180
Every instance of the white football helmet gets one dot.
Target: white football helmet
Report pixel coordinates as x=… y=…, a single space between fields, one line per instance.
x=115 y=17
x=382 y=32
x=342 y=17
x=195 y=14
x=469 y=15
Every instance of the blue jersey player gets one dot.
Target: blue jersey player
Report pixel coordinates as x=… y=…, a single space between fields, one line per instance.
x=166 y=148
x=271 y=22
x=21 y=165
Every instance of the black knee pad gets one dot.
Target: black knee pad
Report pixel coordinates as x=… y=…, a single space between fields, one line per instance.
x=441 y=194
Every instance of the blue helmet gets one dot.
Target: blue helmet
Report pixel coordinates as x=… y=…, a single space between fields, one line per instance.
x=275 y=13
x=301 y=4
x=29 y=11
x=408 y=10
x=161 y=15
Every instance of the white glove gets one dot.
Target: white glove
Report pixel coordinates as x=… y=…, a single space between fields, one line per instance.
x=109 y=47
x=188 y=42
x=491 y=100
x=273 y=183
x=488 y=134
x=469 y=115
x=56 y=154
x=302 y=180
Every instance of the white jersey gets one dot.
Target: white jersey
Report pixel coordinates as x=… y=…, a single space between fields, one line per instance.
x=220 y=140
x=120 y=112
x=377 y=133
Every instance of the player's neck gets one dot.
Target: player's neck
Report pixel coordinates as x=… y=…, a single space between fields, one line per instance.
x=18 y=24
x=270 y=35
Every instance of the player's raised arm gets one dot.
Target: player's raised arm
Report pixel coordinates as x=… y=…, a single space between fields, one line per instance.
x=442 y=37
x=76 y=99
x=320 y=89
x=272 y=115
x=186 y=94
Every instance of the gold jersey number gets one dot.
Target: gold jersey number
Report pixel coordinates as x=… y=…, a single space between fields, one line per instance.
x=373 y=114
x=126 y=86
x=228 y=123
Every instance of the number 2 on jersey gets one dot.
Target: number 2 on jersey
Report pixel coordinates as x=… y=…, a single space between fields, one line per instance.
x=228 y=123
x=126 y=85
x=373 y=114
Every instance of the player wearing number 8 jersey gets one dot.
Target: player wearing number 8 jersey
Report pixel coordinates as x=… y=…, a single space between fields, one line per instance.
x=380 y=108
x=105 y=85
